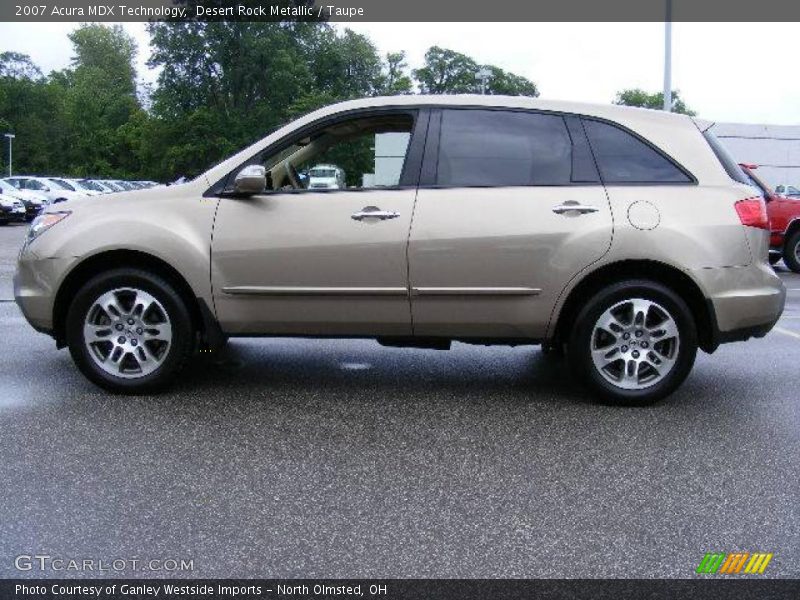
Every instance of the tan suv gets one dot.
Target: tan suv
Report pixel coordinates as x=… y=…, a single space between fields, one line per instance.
x=626 y=237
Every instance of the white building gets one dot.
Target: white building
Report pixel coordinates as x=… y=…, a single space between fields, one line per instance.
x=774 y=148
x=390 y=153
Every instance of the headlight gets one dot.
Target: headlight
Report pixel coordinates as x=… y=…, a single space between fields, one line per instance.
x=44 y=222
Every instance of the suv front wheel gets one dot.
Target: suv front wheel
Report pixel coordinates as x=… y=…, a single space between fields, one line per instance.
x=634 y=342
x=129 y=331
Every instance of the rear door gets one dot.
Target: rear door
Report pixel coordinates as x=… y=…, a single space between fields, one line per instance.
x=509 y=209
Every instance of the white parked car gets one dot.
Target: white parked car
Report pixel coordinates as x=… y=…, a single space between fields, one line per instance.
x=33 y=201
x=11 y=209
x=328 y=177
x=77 y=185
x=54 y=191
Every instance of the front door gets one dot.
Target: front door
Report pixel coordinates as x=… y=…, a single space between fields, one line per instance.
x=318 y=255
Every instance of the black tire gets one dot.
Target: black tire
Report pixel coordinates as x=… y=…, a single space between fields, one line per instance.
x=579 y=346
x=791 y=252
x=182 y=330
x=774 y=258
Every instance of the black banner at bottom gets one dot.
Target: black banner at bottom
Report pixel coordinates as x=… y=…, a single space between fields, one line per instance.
x=400 y=589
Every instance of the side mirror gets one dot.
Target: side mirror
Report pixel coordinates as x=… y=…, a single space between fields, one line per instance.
x=251 y=180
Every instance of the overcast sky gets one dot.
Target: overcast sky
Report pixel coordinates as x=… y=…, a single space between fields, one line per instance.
x=734 y=72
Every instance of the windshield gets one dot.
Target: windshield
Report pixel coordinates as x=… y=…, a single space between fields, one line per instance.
x=60 y=183
x=90 y=185
x=328 y=173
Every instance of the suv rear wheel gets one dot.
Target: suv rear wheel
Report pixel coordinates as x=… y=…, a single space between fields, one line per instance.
x=634 y=342
x=791 y=252
x=129 y=331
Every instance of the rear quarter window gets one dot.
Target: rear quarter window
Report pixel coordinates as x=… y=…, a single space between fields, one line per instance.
x=623 y=158
x=731 y=167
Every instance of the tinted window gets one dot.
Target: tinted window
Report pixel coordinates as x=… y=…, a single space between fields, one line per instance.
x=623 y=158
x=731 y=166
x=503 y=148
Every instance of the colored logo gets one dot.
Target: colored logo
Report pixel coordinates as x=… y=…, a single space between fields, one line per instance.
x=731 y=564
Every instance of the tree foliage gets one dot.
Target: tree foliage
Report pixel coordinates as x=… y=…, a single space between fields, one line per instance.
x=221 y=86
x=450 y=72
x=643 y=99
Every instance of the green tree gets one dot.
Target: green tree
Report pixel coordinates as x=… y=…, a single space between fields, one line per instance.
x=32 y=108
x=226 y=84
x=449 y=72
x=395 y=78
x=18 y=66
x=643 y=99
x=100 y=101
x=446 y=72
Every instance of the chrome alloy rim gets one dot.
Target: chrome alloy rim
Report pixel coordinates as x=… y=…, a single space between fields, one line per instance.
x=127 y=333
x=635 y=344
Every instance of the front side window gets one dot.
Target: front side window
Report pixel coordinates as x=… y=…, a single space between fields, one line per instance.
x=32 y=184
x=503 y=148
x=63 y=184
x=365 y=152
x=624 y=158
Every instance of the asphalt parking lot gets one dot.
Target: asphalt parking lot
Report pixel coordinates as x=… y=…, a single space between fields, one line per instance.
x=289 y=458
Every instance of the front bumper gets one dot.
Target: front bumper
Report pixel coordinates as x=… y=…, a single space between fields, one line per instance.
x=36 y=282
x=31 y=210
x=743 y=302
x=12 y=215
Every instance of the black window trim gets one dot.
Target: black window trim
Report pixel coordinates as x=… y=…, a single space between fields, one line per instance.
x=409 y=176
x=690 y=176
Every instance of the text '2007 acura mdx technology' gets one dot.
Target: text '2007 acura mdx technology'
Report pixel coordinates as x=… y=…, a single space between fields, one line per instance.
x=626 y=237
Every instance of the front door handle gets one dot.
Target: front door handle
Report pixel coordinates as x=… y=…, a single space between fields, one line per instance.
x=572 y=206
x=373 y=212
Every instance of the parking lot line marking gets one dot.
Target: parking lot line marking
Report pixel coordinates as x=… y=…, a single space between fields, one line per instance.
x=787 y=332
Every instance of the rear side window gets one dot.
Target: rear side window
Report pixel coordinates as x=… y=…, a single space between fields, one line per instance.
x=503 y=148
x=726 y=160
x=624 y=158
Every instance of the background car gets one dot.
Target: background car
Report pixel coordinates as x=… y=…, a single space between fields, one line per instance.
x=787 y=190
x=111 y=185
x=326 y=177
x=11 y=209
x=54 y=191
x=784 y=222
x=33 y=201
x=76 y=185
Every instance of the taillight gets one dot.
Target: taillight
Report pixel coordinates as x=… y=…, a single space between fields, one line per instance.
x=753 y=212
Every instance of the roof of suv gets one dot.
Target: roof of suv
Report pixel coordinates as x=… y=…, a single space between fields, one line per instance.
x=675 y=134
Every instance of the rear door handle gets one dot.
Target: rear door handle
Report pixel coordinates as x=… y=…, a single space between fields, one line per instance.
x=568 y=206
x=373 y=212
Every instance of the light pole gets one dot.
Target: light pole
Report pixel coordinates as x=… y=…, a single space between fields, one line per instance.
x=483 y=74
x=668 y=58
x=10 y=137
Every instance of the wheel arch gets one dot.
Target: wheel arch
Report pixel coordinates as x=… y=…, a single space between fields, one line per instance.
x=677 y=280
x=115 y=259
x=791 y=228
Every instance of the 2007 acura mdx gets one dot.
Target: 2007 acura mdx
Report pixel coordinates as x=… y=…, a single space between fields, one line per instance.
x=627 y=237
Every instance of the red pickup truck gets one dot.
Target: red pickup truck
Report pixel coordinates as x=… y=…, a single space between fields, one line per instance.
x=784 y=223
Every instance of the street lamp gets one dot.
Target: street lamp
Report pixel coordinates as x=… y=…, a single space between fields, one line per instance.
x=483 y=74
x=10 y=137
x=668 y=58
